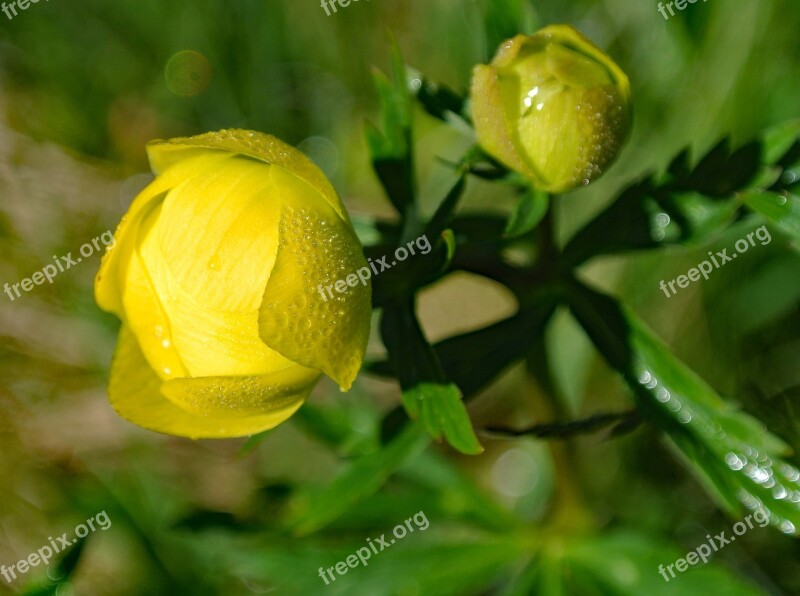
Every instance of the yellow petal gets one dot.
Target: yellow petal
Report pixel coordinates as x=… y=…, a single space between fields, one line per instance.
x=492 y=124
x=279 y=393
x=260 y=146
x=316 y=249
x=144 y=312
x=218 y=234
x=134 y=392
x=110 y=278
x=208 y=256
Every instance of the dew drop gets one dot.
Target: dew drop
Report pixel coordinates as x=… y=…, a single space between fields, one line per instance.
x=787 y=527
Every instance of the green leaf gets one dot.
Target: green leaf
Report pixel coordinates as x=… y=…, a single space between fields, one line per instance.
x=503 y=19
x=390 y=146
x=424 y=562
x=687 y=205
x=719 y=173
x=732 y=452
x=315 y=508
x=437 y=100
x=565 y=430
x=622 y=564
x=427 y=395
x=62 y=572
x=474 y=359
x=632 y=221
x=406 y=277
x=777 y=141
x=440 y=410
x=781 y=209
x=646 y=216
x=780 y=154
x=528 y=212
x=444 y=212
x=483 y=231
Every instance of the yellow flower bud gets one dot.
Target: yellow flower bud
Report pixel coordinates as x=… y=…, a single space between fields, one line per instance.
x=215 y=274
x=553 y=107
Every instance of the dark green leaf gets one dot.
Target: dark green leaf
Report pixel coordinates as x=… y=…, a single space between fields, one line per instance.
x=439 y=101
x=411 y=355
x=687 y=204
x=781 y=154
x=732 y=452
x=626 y=224
x=781 y=209
x=390 y=147
x=427 y=395
x=406 y=277
x=778 y=141
x=69 y=561
x=474 y=359
x=679 y=168
x=440 y=410
x=444 y=212
x=484 y=231
x=58 y=579
x=645 y=216
x=566 y=430
x=528 y=212
x=721 y=172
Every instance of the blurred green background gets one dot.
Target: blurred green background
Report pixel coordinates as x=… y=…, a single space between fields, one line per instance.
x=85 y=85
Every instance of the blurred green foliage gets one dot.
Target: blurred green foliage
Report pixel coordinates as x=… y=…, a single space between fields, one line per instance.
x=591 y=514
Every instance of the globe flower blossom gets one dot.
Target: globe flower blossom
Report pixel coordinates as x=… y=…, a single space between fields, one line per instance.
x=553 y=107
x=214 y=276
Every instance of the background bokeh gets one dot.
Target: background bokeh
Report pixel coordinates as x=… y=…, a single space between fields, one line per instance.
x=84 y=85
